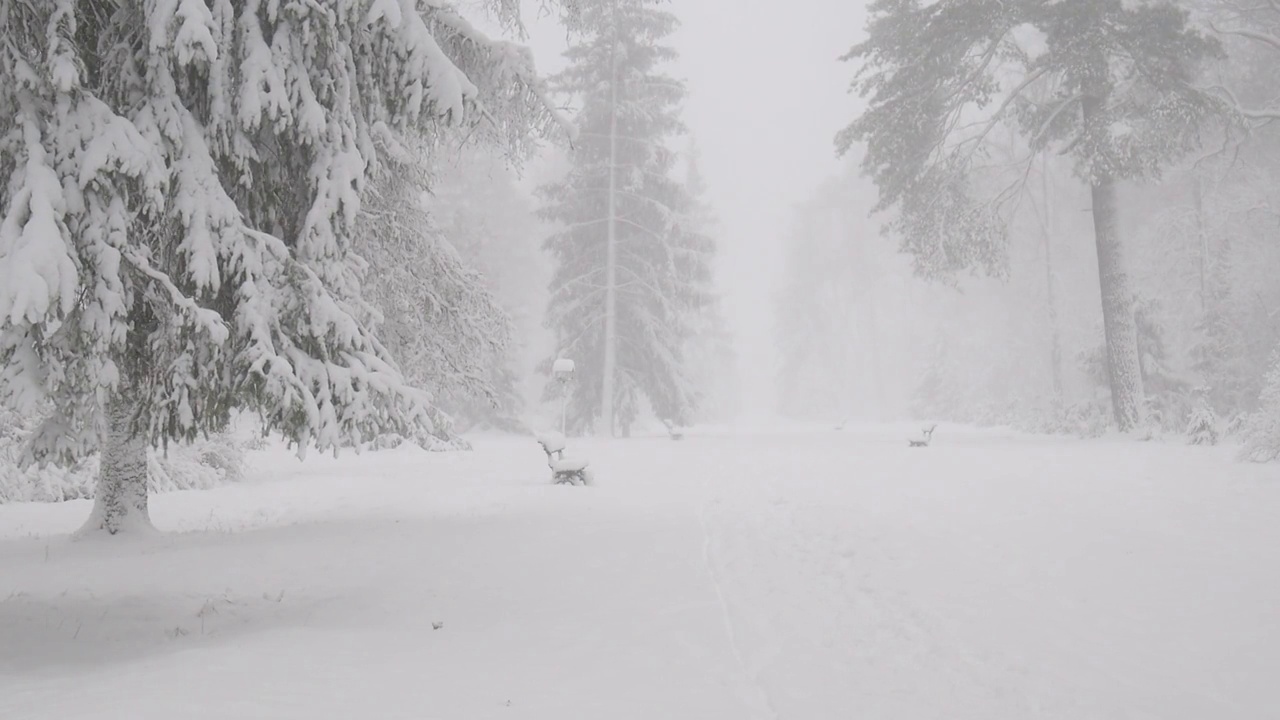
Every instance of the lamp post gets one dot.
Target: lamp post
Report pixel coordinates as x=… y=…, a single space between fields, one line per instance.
x=562 y=370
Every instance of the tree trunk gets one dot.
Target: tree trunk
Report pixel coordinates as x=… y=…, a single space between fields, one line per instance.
x=1123 y=364
x=120 y=499
x=1202 y=240
x=1051 y=290
x=611 y=261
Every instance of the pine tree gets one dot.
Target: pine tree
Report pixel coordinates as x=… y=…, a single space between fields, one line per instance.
x=941 y=76
x=179 y=187
x=629 y=265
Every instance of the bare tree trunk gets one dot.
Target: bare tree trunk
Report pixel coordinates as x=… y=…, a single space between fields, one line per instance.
x=1202 y=240
x=120 y=498
x=1117 y=310
x=1051 y=290
x=611 y=260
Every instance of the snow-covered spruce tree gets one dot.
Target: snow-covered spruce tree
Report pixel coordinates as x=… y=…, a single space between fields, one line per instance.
x=629 y=268
x=179 y=183
x=941 y=76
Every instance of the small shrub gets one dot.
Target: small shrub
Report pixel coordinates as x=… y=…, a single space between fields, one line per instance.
x=1203 y=427
x=1236 y=427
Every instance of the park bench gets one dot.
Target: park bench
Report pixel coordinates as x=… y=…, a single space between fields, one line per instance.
x=676 y=433
x=564 y=471
x=925 y=438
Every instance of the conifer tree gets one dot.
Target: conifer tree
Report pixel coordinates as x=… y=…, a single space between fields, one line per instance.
x=629 y=264
x=179 y=186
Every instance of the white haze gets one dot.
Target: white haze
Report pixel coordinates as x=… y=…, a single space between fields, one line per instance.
x=940 y=501
x=767 y=94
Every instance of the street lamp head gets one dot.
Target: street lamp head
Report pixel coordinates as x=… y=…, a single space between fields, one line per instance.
x=563 y=369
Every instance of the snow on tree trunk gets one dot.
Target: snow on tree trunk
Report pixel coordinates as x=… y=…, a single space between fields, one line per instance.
x=120 y=500
x=610 y=370
x=1117 y=310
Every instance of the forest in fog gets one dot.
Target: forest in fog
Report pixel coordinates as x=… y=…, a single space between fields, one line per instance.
x=1060 y=217
x=636 y=359
x=982 y=302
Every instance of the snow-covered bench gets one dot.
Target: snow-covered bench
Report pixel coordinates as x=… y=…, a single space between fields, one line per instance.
x=564 y=471
x=676 y=433
x=925 y=438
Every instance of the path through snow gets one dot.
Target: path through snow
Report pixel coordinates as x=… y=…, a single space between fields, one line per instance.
x=796 y=576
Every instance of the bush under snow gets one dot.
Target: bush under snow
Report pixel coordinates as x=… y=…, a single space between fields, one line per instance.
x=200 y=465
x=1261 y=431
x=1203 y=427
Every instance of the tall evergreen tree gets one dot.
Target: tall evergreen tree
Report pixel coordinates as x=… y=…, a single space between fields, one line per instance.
x=179 y=186
x=629 y=266
x=941 y=76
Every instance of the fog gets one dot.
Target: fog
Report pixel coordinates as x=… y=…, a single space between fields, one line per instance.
x=636 y=359
x=767 y=95
x=1010 y=335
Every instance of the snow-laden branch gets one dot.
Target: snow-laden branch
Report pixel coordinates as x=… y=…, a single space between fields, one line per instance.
x=1257 y=35
x=663 y=208
x=624 y=221
x=630 y=138
x=1054 y=115
x=1235 y=105
x=518 y=58
x=36 y=266
x=999 y=113
x=203 y=318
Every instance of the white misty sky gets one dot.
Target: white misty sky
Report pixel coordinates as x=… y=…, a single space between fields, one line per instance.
x=767 y=95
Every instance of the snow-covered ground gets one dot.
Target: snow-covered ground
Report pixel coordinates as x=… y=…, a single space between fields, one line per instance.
x=799 y=575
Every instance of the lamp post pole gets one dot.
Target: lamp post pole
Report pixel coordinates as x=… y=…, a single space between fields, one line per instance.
x=563 y=371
